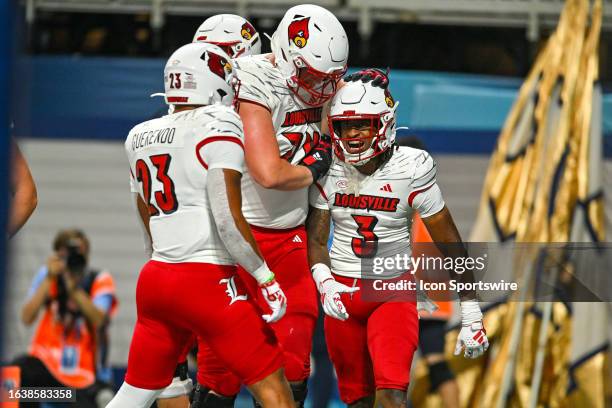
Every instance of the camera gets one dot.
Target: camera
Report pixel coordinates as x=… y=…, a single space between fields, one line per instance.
x=75 y=260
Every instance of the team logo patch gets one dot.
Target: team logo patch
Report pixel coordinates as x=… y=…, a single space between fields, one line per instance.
x=298 y=32
x=218 y=64
x=248 y=31
x=232 y=290
x=389 y=99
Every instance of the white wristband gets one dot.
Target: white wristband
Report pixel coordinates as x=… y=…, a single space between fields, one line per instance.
x=320 y=273
x=470 y=312
x=263 y=274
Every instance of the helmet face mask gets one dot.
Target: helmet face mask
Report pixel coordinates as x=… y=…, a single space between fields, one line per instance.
x=310 y=48
x=361 y=122
x=313 y=87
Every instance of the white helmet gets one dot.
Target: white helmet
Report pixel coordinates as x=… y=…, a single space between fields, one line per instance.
x=368 y=112
x=311 y=51
x=232 y=33
x=199 y=74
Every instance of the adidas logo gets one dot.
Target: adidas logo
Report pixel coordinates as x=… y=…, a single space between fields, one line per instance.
x=297 y=239
x=387 y=188
x=317 y=156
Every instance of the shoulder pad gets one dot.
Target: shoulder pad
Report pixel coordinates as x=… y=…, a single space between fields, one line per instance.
x=424 y=171
x=222 y=120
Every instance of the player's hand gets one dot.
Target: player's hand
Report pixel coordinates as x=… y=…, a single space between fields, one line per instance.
x=472 y=336
x=330 y=290
x=276 y=299
x=319 y=159
x=378 y=77
x=473 y=339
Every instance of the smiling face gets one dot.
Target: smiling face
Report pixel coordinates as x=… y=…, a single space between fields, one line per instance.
x=355 y=134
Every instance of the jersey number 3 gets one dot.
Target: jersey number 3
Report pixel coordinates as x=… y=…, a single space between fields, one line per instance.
x=366 y=246
x=165 y=200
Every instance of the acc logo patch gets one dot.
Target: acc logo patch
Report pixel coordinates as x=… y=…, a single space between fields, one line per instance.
x=217 y=64
x=248 y=31
x=298 y=32
x=342 y=183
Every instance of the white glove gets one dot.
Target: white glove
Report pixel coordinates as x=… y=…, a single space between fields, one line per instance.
x=272 y=293
x=276 y=299
x=472 y=336
x=330 y=291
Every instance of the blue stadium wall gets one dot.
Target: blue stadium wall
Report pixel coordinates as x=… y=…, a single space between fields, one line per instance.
x=102 y=98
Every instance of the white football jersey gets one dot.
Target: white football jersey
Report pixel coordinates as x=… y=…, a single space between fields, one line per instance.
x=169 y=160
x=368 y=211
x=297 y=130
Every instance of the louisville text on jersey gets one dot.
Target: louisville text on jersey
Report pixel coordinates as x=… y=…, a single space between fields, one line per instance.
x=366 y=202
x=153 y=137
x=302 y=117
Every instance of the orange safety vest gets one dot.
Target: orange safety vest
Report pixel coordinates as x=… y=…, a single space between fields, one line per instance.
x=68 y=349
x=420 y=234
x=10 y=377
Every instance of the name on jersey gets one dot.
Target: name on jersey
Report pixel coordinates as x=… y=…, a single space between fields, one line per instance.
x=366 y=202
x=153 y=137
x=302 y=117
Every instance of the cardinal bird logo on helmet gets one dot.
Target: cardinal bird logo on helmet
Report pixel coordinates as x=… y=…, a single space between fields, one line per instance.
x=248 y=31
x=389 y=99
x=219 y=65
x=298 y=32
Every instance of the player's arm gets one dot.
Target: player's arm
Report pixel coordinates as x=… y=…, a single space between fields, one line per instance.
x=225 y=160
x=262 y=155
x=426 y=198
x=444 y=234
x=23 y=191
x=317 y=228
x=143 y=222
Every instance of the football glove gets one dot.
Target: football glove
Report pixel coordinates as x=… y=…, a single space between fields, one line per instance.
x=319 y=159
x=330 y=291
x=378 y=77
x=472 y=336
x=272 y=293
x=275 y=298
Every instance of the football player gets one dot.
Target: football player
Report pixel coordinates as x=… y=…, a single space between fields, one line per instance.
x=370 y=194
x=237 y=37
x=186 y=168
x=281 y=101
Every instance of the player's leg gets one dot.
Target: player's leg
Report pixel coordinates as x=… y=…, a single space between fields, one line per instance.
x=348 y=351
x=272 y=391
x=157 y=341
x=243 y=342
x=392 y=341
x=176 y=395
x=286 y=253
x=217 y=386
x=431 y=344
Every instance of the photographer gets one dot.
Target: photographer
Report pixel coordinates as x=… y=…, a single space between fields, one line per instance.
x=70 y=343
